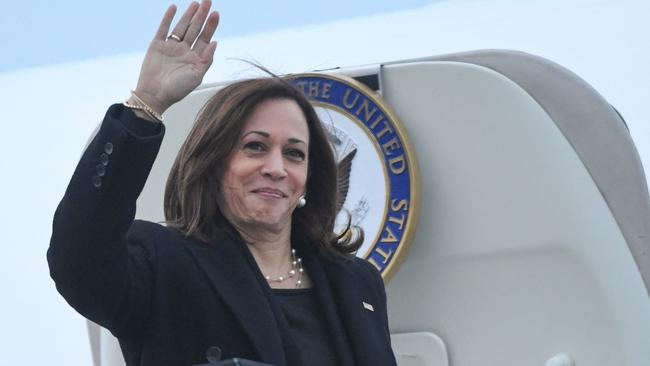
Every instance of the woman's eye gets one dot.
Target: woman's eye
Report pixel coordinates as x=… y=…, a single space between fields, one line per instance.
x=255 y=146
x=296 y=154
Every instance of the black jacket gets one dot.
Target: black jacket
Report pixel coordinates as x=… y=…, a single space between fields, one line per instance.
x=167 y=298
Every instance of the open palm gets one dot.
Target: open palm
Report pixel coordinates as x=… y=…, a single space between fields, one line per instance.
x=175 y=65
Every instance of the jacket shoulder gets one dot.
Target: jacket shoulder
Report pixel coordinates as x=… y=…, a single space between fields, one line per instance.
x=363 y=272
x=366 y=267
x=145 y=228
x=153 y=234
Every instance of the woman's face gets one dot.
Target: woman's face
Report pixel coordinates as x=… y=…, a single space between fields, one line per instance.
x=267 y=171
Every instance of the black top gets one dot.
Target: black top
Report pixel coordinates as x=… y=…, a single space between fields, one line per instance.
x=307 y=326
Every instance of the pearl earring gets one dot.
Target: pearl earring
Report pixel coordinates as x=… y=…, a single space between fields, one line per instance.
x=302 y=201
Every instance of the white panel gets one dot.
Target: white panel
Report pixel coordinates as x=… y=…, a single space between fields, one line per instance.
x=419 y=349
x=111 y=354
x=517 y=257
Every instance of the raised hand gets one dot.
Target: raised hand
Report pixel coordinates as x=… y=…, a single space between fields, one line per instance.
x=175 y=65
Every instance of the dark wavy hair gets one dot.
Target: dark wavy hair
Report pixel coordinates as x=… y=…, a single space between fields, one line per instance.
x=194 y=182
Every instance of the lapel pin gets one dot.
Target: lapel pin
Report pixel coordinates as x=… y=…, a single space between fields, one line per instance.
x=368 y=306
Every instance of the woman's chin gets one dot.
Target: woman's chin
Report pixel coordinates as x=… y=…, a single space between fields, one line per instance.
x=270 y=221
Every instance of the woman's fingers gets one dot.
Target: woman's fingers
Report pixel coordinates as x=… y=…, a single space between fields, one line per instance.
x=163 y=28
x=184 y=22
x=208 y=31
x=208 y=55
x=197 y=22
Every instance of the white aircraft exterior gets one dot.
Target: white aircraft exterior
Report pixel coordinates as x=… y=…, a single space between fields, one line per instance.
x=53 y=110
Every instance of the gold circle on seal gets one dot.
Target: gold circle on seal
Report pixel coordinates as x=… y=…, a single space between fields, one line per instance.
x=324 y=91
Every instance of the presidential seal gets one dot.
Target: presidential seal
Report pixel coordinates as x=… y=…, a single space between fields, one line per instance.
x=378 y=174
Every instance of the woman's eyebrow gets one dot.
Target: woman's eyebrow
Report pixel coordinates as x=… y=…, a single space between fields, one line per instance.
x=291 y=140
x=265 y=134
x=294 y=140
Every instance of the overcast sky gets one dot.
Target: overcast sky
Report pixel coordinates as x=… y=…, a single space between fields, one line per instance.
x=46 y=32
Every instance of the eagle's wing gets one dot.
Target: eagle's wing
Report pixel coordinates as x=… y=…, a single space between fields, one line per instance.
x=344 y=169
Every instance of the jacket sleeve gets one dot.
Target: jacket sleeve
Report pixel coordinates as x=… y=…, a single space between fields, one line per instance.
x=104 y=274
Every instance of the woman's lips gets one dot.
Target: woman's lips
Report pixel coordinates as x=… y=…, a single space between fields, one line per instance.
x=270 y=192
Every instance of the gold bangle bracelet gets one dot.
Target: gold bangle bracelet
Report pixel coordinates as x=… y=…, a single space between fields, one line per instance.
x=143 y=107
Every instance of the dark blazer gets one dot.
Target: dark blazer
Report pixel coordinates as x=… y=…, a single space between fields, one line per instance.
x=167 y=298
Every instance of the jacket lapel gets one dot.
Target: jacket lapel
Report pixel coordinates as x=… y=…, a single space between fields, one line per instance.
x=325 y=297
x=230 y=274
x=350 y=290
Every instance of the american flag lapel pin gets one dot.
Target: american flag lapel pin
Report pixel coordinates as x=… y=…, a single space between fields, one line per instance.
x=368 y=306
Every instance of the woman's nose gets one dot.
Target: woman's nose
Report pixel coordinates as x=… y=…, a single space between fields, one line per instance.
x=274 y=165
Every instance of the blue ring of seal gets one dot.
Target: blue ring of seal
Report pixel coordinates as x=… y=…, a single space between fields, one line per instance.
x=348 y=97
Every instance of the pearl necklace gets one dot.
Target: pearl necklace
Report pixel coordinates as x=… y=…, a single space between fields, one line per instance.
x=296 y=268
